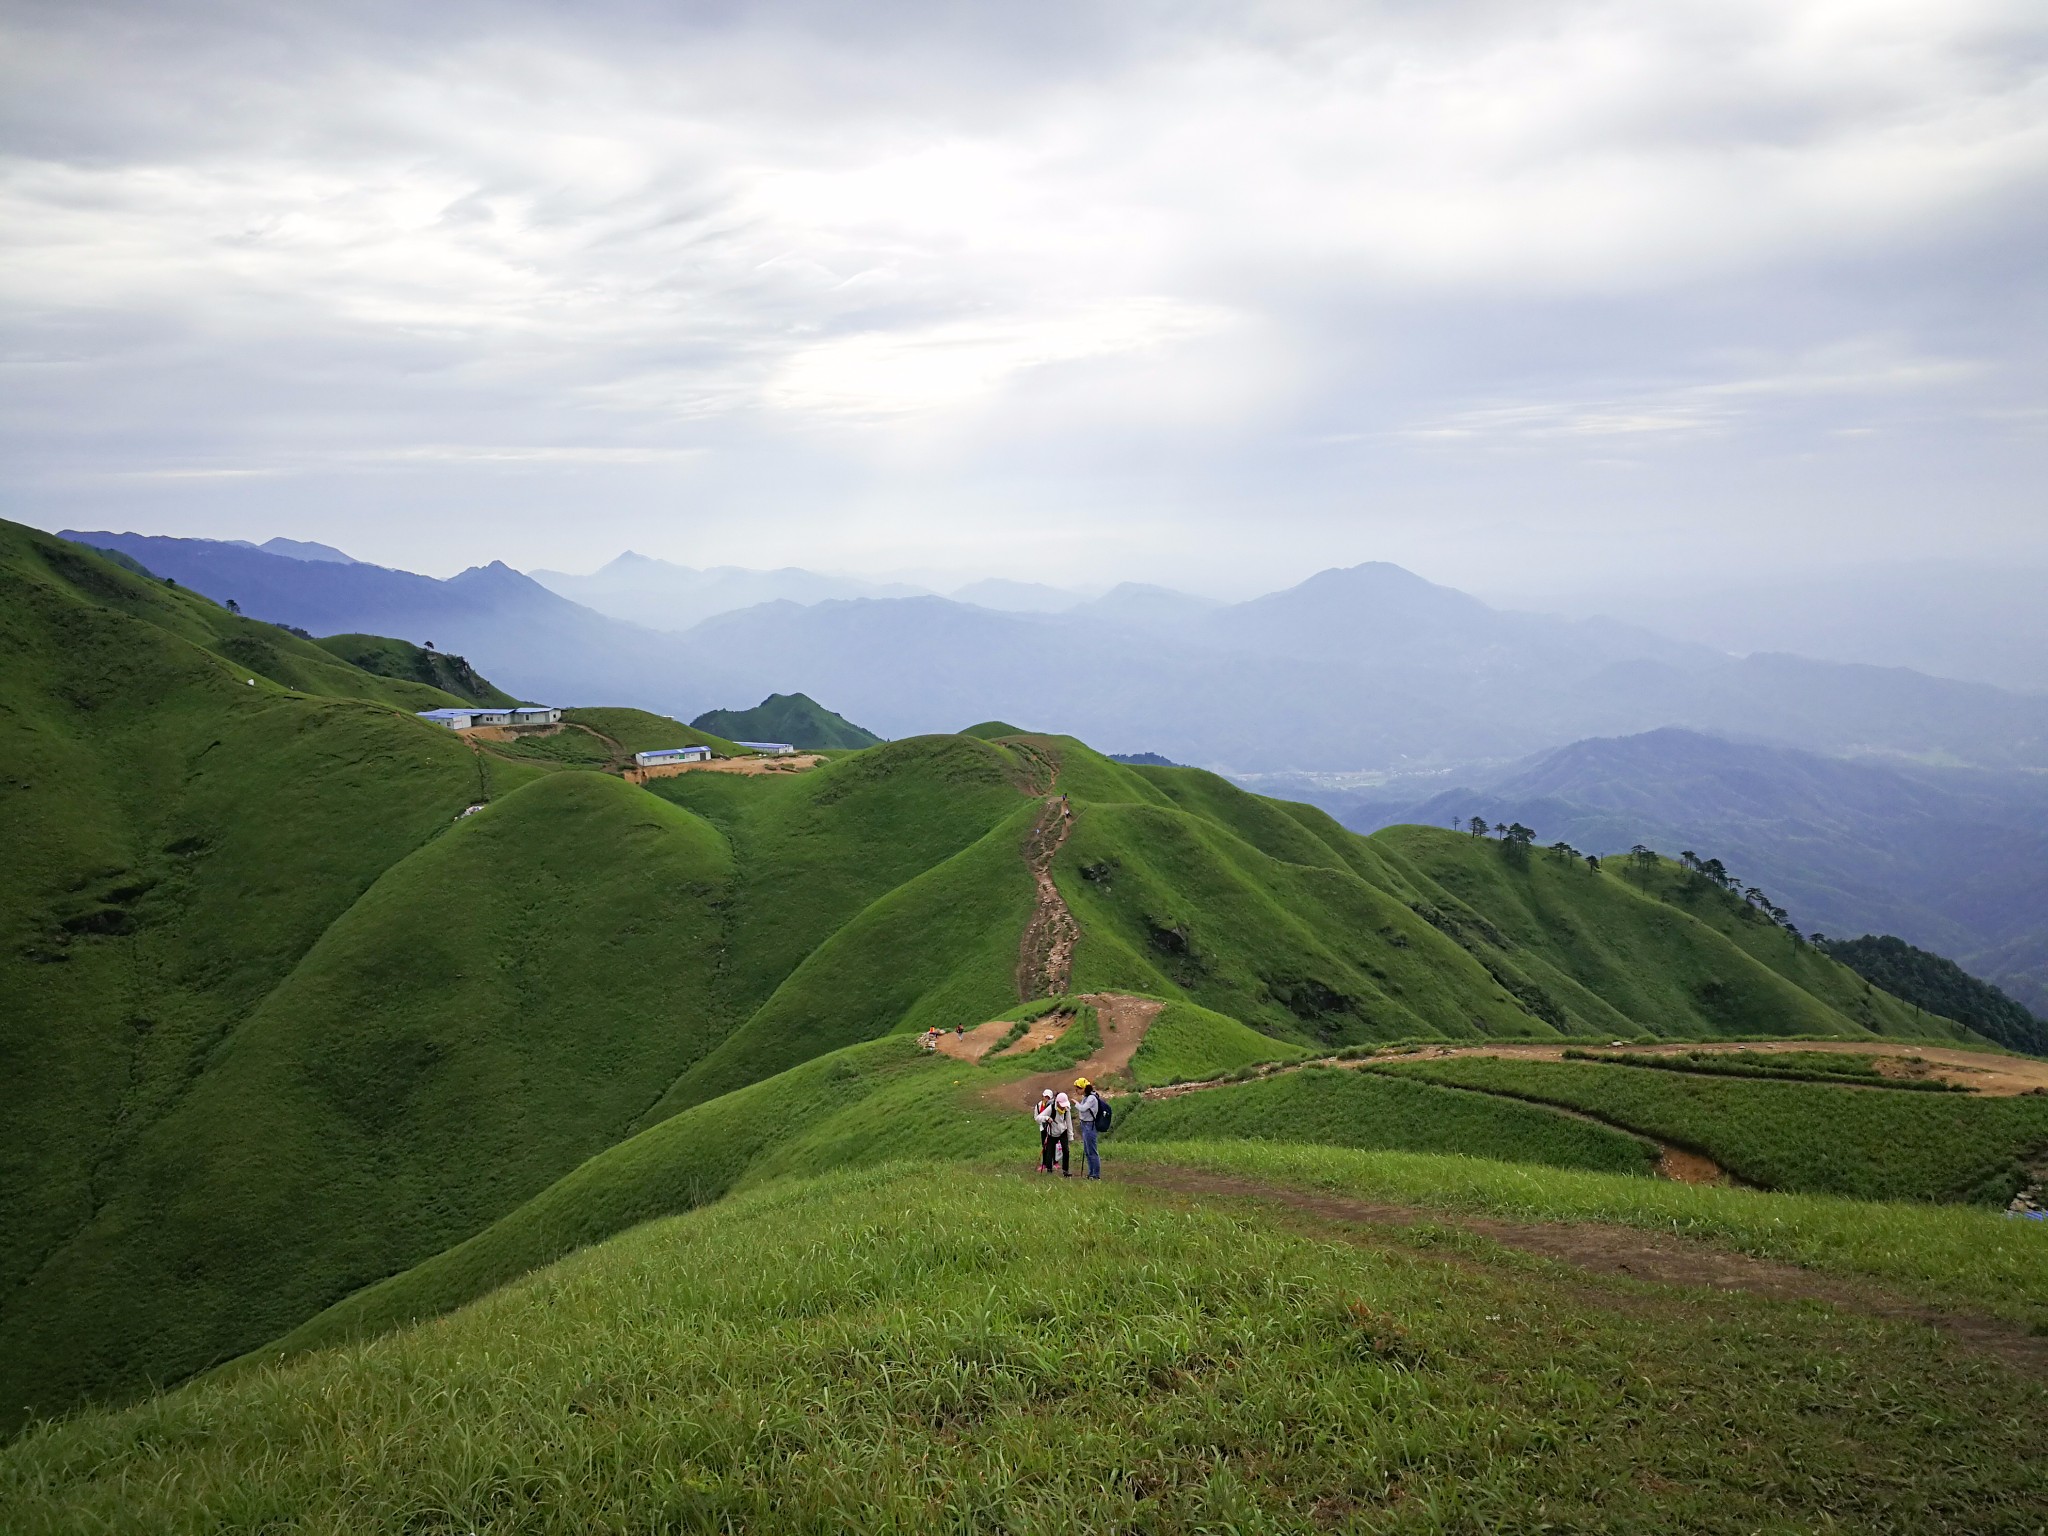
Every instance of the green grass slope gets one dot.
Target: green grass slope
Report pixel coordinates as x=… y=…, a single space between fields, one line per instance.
x=1595 y=951
x=402 y=659
x=1188 y=1043
x=1819 y=1138
x=815 y=851
x=1346 y=1108
x=896 y=1350
x=178 y=838
x=795 y=718
x=939 y=949
x=496 y=1008
x=640 y=730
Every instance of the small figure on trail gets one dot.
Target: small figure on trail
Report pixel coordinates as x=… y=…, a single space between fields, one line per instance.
x=931 y=1039
x=1060 y=1130
x=1043 y=1115
x=1091 y=1112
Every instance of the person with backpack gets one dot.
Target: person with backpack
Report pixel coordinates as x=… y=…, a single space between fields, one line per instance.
x=1043 y=1115
x=1094 y=1114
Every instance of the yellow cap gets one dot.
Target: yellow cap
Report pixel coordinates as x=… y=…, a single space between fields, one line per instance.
x=1080 y=1082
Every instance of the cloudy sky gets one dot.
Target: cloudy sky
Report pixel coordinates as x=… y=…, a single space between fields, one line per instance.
x=1520 y=293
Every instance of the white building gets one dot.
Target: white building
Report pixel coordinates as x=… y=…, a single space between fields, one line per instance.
x=657 y=758
x=772 y=748
x=453 y=719
x=536 y=714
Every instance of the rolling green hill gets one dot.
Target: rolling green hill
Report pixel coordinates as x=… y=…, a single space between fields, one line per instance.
x=289 y=1022
x=795 y=718
x=402 y=659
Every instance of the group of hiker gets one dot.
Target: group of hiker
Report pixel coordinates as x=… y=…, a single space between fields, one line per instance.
x=1058 y=1116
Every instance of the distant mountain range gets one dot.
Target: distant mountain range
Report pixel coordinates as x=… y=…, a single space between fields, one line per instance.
x=661 y=595
x=1982 y=623
x=1369 y=667
x=1953 y=860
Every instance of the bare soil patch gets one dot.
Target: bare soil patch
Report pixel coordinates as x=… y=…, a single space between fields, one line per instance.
x=1604 y=1249
x=1123 y=1021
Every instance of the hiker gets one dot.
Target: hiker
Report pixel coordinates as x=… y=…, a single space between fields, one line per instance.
x=1059 y=1129
x=1043 y=1115
x=1092 y=1112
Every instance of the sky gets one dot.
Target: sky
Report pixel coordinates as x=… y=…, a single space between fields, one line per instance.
x=1521 y=295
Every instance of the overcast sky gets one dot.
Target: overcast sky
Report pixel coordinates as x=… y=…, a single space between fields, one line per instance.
x=1515 y=294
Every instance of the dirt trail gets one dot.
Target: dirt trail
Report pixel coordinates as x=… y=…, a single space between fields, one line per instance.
x=1123 y=1022
x=1616 y=1250
x=1045 y=956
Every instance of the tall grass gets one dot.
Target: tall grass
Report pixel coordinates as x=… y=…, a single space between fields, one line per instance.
x=918 y=1351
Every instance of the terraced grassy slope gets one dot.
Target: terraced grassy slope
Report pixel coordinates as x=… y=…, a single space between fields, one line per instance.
x=1873 y=1143
x=895 y=1350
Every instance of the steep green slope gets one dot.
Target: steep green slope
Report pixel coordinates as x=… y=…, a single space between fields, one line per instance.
x=178 y=838
x=861 y=887
x=1188 y=1043
x=415 y=663
x=496 y=1008
x=896 y=1350
x=1940 y=986
x=1595 y=950
x=795 y=718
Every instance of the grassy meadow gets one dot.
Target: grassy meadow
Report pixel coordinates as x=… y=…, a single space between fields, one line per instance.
x=905 y=1348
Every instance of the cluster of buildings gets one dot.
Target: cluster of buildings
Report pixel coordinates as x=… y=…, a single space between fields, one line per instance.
x=469 y=719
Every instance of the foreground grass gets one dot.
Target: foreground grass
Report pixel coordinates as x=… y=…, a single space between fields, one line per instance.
x=1812 y=1138
x=1949 y=1255
x=917 y=1350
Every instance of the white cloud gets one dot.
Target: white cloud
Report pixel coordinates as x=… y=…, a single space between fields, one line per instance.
x=643 y=240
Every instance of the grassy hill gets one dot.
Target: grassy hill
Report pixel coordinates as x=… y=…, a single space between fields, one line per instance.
x=292 y=1028
x=795 y=718
x=893 y=1348
x=401 y=659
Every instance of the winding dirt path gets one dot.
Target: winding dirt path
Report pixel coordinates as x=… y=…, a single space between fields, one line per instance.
x=1124 y=1022
x=1045 y=955
x=1605 y=1249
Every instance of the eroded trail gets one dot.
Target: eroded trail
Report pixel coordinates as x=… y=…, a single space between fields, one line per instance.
x=1123 y=1022
x=1630 y=1252
x=1045 y=955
